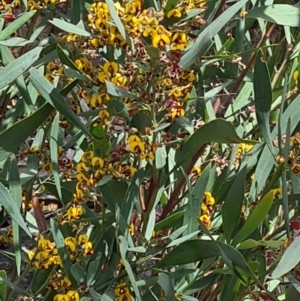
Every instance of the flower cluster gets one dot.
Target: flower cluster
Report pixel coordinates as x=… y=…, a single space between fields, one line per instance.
x=293 y=160
x=39 y=4
x=243 y=150
x=207 y=209
x=47 y=255
x=63 y=286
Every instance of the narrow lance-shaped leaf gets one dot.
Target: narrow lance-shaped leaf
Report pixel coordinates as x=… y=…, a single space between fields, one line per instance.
x=218 y=130
x=263 y=98
x=16 y=68
x=16 y=193
x=195 y=200
x=16 y=24
x=54 y=133
x=71 y=28
x=289 y=259
x=255 y=218
x=3 y=285
x=280 y=14
x=10 y=206
x=21 y=130
x=195 y=50
x=231 y=209
x=197 y=249
x=54 y=97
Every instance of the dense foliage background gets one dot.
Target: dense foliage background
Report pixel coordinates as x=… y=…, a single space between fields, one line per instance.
x=149 y=150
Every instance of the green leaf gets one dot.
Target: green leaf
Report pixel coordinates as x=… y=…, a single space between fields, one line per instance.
x=197 y=249
x=195 y=50
x=16 y=68
x=132 y=195
x=292 y=294
x=115 y=90
x=160 y=157
x=16 y=193
x=68 y=27
x=167 y=286
x=118 y=22
x=251 y=243
x=78 y=273
x=255 y=219
x=231 y=209
x=10 y=206
x=2 y=285
x=15 y=25
x=21 y=130
x=7 y=58
x=15 y=42
x=54 y=133
x=289 y=259
x=123 y=251
x=93 y=269
x=280 y=14
x=218 y=130
x=77 y=10
x=54 y=97
x=195 y=199
x=263 y=98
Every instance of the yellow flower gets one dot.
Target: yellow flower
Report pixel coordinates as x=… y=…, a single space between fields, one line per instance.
x=61 y=297
x=179 y=41
x=196 y=171
x=135 y=144
x=277 y=192
x=97 y=162
x=73 y=295
x=296 y=76
x=33 y=5
x=30 y=253
x=103 y=116
x=88 y=248
x=205 y=220
x=209 y=200
x=42 y=260
x=82 y=178
x=87 y=156
x=176 y=92
x=81 y=167
x=122 y=292
x=160 y=40
x=97 y=100
x=65 y=283
x=119 y=80
x=55 y=259
x=82 y=239
x=71 y=243
x=175 y=13
x=74 y=212
x=243 y=14
x=204 y=209
x=95 y=42
x=131 y=229
x=45 y=244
